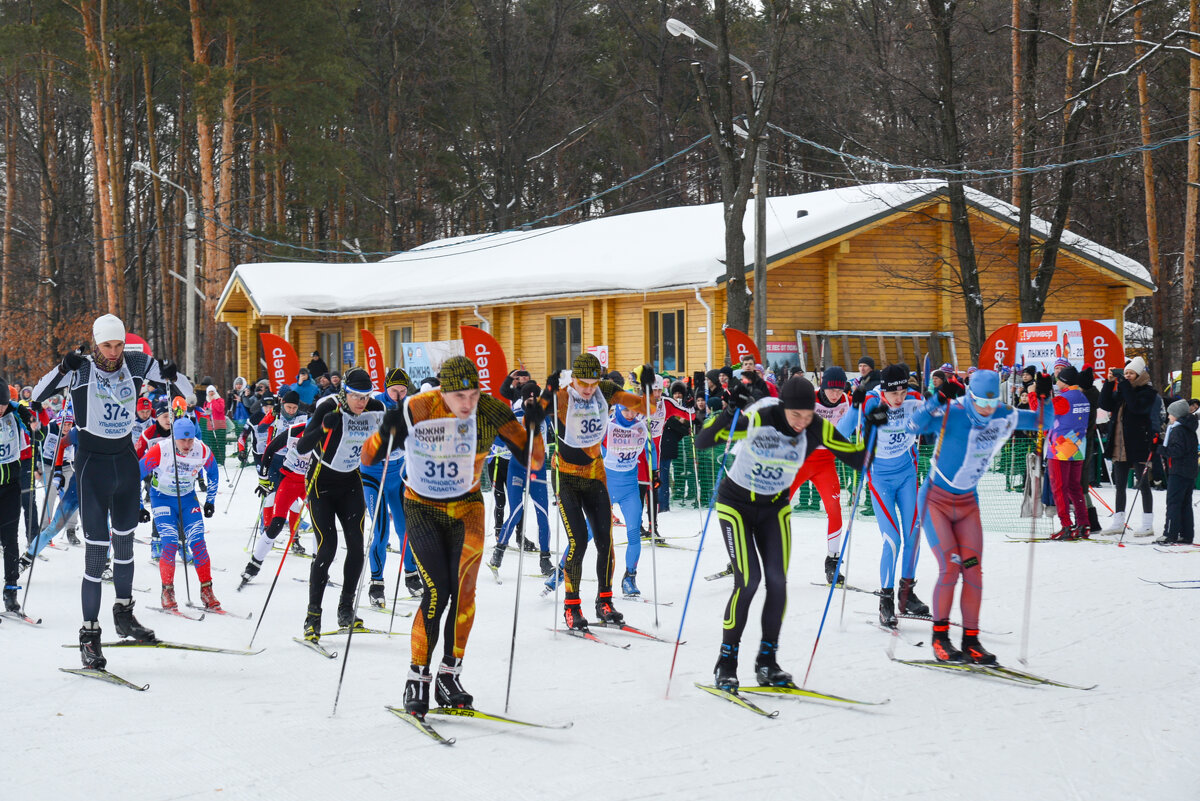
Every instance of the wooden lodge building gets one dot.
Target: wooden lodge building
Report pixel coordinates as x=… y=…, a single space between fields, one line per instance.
x=850 y=271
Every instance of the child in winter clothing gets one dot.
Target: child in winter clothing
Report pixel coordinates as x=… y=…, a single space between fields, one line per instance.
x=1179 y=448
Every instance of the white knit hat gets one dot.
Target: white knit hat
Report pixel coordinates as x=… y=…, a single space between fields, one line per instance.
x=211 y=390
x=1137 y=364
x=108 y=328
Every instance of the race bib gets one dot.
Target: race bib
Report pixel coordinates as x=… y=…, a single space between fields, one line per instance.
x=111 y=403
x=440 y=457
x=625 y=445
x=356 y=430
x=586 y=421
x=10 y=439
x=766 y=461
x=982 y=445
x=893 y=438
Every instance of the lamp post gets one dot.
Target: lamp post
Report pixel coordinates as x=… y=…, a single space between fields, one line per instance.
x=189 y=221
x=677 y=28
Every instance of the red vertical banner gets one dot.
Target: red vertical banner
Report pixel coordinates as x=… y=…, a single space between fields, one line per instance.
x=1101 y=348
x=483 y=349
x=373 y=359
x=1000 y=348
x=739 y=345
x=282 y=363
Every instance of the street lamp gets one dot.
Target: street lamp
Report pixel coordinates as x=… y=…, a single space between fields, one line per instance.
x=189 y=221
x=677 y=28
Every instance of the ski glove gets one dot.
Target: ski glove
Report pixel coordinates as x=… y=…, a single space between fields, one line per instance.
x=1045 y=385
x=143 y=515
x=264 y=488
x=535 y=413
x=72 y=361
x=552 y=382
x=859 y=397
x=738 y=396
x=877 y=416
x=168 y=370
x=332 y=421
x=392 y=424
x=646 y=377
x=209 y=509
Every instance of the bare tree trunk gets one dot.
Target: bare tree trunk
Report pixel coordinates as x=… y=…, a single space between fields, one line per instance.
x=10 y=200
x=1158 y=357
x=204 y=141
x=1018 y=117
x=1193 y=202
x=107 y=272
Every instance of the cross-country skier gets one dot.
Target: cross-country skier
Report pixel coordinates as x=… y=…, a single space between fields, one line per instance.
x=774 y=436
x=976 y=428
x=515 y=489
x=341 y=423
x=624 y=445
x=104 y=387
x=446 y=435
x=172 y=465
x=583 y=497
x=14 y=435
x=893 y=484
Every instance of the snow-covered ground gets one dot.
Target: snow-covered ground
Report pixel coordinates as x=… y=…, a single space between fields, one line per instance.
x=259 y=727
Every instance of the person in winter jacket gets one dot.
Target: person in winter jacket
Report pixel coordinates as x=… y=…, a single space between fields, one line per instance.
x=1179 y=448
x=1129 y=398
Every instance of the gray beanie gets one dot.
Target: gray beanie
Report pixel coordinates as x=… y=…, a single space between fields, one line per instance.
x=1179 y=409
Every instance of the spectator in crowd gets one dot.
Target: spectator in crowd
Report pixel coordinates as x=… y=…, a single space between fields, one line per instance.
x=1130 y=398
x=317 y=366
x=1179 y=448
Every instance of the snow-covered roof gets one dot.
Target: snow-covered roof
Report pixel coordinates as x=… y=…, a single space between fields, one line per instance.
x=648 y=251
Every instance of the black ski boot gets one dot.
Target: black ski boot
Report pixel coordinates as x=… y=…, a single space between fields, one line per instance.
x=1093 y=520
x=973 y=652
x=831 y=571
x=297 y=548
x=251 y=569
x=528 y=546
x=128 y=626
x=71 y=538
x=497 y=557
x=10 y=599
x=346 y=616
x=89 y=646
x=448 y=690
x=23 y=565
x=312 y=626
x=910 y=604
x=767 y=670
x=725 y=673
x=887 y=608
x=605 y=610
x=573 y=615
x=416 y=691
x=943 y=649
x=412 y=583
x=545 y=564
x=375 y=594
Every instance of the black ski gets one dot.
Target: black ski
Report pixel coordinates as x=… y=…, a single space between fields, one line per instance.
x=994 y=671
x=104 y=675
x=21 y=618
x=478 y=715
x=316 y=646
x=330 y=583
x=224 y=612
x=734 y=698
x=420 y=725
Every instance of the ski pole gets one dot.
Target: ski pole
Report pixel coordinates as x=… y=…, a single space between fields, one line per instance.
x=236 y=482
x=712 y=502
x=845 y=545
x=358 y=589
x=1095 y=494
x=33 y=563
x=652 y=464
x=399 y=579
x=512 y=646
x=560 y=570
x=291 y=538
x=1028 y=615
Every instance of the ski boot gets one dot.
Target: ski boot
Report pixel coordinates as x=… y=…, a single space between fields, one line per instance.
x=887 y=608
x=251 y=570
x=629 y=587
x=416 y=691
x=497 y=557
x=1083 y=531
x=526 y=545
x=973 y=652
x=71 y=538
x=345 y=614
x=1064 y=533
x=128 y=626
x=375 y=594
x=106 y=574
x=767 y=670
x=943 y=649
x=448 y=690
x=573 y=615
x=208 y=599
x=10 y=599
x=605 y=611
x=831 y=571
x=89 y=646
x=297 y=548
x=412 y=583
x=552 y=582
x=23 y=565
x=168 y=598
x=544 y=563
x=909 y=603
x=312 y=625
x=725 y=673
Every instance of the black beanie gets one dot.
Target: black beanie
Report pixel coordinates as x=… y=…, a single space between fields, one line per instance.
x=868 y=361
x=798 y=393
x=357 y=380
x=1069 y=376
x=894 y=376
x=291 y=396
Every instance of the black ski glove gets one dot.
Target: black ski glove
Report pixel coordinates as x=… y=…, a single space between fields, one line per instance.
x=1045 y=385
x=738 y=396
x=646 y=377
x=877 y=416
x=332 y=421
x=209 y=509
x=392 y=424
x=168 y=370
x=535 y=413
x=143 y=515
x=858 y=397
x=264 y=487
x=72 y=361
x=552 y=382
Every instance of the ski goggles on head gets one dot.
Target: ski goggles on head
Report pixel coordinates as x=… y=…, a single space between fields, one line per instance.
x=986 y=403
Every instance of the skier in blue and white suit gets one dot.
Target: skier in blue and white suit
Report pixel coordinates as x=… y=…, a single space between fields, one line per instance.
x=514 y=484
x=624 y=442
x=396 y=387
x=893 y=484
